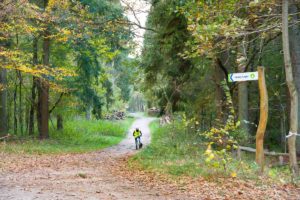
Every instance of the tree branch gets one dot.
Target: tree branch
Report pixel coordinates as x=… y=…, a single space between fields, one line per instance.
x=57 y=102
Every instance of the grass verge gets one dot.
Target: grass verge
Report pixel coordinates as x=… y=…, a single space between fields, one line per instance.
x=78 y=136
x=175 y=152
x=170 y=154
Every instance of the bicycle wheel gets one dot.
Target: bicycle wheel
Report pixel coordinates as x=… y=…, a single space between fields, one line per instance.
x=137 y=143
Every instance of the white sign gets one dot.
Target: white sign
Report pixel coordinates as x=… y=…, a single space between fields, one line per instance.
x=248 y=76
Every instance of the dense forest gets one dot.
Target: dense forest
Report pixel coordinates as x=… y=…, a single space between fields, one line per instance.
x=74 y=78
x=194 y=45
x=61 y=59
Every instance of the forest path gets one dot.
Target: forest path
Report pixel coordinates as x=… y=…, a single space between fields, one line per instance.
x=105 y=175
x=76 y=176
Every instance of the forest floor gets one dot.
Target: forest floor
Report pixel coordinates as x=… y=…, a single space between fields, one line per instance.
x=105 y=175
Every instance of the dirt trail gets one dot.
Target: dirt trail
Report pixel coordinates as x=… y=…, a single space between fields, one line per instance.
x=105 y=175
x=78 y=176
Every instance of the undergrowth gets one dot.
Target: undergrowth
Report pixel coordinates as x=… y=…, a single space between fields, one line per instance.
x=169 y=153
x=78 y=136
x=177 y=152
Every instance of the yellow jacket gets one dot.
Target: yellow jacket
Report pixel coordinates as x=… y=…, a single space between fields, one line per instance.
x=137 y=133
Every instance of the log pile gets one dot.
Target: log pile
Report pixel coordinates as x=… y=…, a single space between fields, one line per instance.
x=115 y=115
x=153 y=111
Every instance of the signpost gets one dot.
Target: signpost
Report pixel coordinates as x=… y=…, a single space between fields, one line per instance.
x=260 y=76
x=248 y=76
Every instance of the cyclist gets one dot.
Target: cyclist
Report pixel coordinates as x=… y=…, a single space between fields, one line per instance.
x=137 y=134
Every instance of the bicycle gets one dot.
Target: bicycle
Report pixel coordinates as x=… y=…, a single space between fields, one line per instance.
x=138 y=143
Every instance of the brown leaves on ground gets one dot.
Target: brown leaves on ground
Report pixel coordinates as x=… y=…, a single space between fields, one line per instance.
x=200 y=188
x=189 y=188
x=106 y=175
x=43 y=169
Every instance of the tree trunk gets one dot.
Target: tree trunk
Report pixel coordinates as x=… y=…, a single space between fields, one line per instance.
x=294 y=35
x=88 y=114
x=292 y=89
x=32 y=107
x=33 y=89
x=21 y=124
x=3 y=103
x=243 y=91
x=26 y=120
x=15 y=109
x=59 y=122
x=43 y=108
x=43 y=88
x=219 y=95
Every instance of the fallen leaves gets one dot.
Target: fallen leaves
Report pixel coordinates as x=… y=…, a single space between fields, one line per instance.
x=86 y=171
x=199 y=188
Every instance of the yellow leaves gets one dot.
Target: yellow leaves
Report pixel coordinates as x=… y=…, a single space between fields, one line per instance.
x=26 y=69
x=222 y=137
x=67 y=32
x=62 y=39
x=2 y=87
x=233 y=174
x=210 y=157
x=208 y=150
x=5 y=27
x=21 y=61
x=3 y=38
x=62 y=4
x=253 y=3
x=40 y=70
x=58 y=88
x=20 y=26
x=209 y=154
x=30 y=29
x=51 y=3
x=228 y=147
x=65 y=4
x=211 y=22
x=61 y=73
x=63 y=35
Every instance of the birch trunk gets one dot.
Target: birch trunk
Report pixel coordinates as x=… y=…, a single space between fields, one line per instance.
x=291 y=87
x=243 y=91
x=294 y=34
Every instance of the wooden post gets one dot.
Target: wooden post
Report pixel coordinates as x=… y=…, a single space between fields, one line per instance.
x=263 y=118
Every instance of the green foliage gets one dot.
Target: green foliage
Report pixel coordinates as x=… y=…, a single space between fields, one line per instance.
x=171 y=81
x=96 y=52
x=171 y=151
x=222 y=139
x=86 y=39
x=165 y=71
x=177 y=152
x=78 y=136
